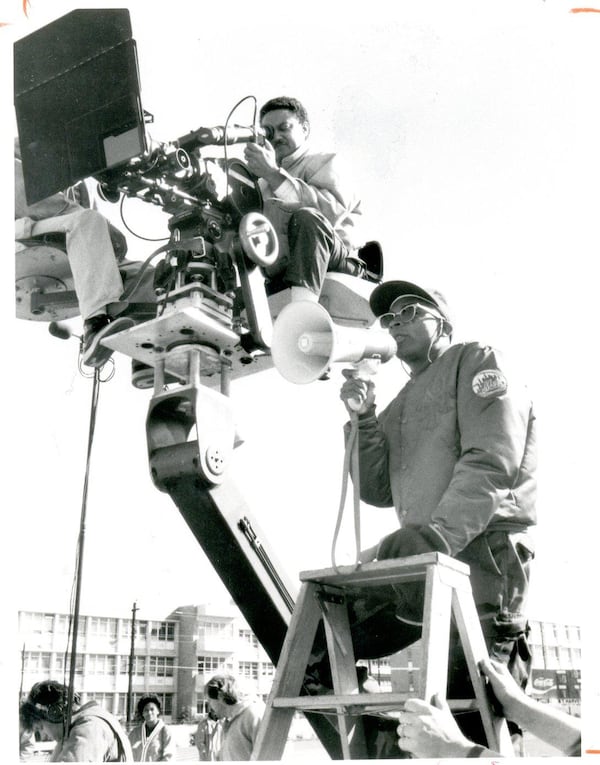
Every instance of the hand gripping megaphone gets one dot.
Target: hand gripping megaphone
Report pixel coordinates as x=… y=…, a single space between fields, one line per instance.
x=306 y=342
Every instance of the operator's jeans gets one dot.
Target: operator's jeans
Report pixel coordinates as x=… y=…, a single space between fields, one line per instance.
x=315 y=248
x=91 y=256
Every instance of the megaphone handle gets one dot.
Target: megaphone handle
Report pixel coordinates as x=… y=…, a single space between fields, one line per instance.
x=363 y=370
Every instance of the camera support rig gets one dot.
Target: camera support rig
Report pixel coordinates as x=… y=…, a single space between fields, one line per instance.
x=210 y=290
x=79 y=115
x=213 y=318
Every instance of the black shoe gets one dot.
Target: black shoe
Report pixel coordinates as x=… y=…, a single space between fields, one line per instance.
x=94 y=354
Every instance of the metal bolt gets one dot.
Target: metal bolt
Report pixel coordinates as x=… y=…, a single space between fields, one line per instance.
x=215 y=460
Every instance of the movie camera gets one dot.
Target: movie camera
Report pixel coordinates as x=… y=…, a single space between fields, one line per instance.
x=79 y=114
x=219 y=241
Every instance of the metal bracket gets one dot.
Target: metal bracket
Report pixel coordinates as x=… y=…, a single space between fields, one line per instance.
x=190 y=431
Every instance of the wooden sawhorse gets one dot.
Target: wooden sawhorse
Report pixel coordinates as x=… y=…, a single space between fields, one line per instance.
x=325 y=594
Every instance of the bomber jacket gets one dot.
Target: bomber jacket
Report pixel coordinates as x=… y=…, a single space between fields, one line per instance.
x=95 y=735
x=455 y=451
x=312 y=180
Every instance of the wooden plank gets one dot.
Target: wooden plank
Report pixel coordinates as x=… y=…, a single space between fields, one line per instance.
x=343 y=672
x=382 y=572
x=436 y=635
x=475 y=649
x=364 y=701
x=291 y=669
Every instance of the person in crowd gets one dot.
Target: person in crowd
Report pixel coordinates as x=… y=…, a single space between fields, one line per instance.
x=455 y=454
x=430 y=731
x=241 y=715
x=208 y=737
x=312 y=206
x=94 y=249
x=151 y=741
x=91 y=735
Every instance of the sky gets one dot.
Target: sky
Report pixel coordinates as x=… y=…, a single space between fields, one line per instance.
x=471 y=129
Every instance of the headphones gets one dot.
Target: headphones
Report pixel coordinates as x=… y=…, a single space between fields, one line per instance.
x=47 y=699
x=225 y=686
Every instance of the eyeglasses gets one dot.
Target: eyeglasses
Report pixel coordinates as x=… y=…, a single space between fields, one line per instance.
x=406 y=315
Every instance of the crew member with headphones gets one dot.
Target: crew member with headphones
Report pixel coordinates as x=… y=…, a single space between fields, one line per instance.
x=94 y=735
x=241 y=715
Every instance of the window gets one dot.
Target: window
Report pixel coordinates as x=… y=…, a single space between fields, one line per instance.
x=141 y=629
x=137 y=667
x=247 y=636
x=105 y=700
x=36 y=623
x=536 y=632
x=248 y=669
x=161 y=666
x=37 y=662
x=216 y=629
x=121 y=705
x=101 y=664
x=164 y=631
x=267 y=669
x=102 y=627
x=166 y=703
x=208 y=664
x=59 y=663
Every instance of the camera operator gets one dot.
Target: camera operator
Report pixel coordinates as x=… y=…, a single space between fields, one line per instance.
x=94 y=250
x=313 y=209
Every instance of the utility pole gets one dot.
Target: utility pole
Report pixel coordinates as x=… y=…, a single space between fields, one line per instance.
x=131 y=658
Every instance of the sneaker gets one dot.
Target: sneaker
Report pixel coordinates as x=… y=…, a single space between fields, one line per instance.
x=94 y=354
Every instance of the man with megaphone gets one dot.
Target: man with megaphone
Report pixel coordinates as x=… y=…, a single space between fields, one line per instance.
x=455 y=454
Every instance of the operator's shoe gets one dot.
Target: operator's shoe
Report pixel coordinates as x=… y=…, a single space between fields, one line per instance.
x=95 y=329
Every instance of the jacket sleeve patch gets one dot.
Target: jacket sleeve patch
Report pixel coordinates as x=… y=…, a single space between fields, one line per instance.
x=488 y=383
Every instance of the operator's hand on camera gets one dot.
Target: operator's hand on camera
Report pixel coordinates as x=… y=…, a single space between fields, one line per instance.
x=261 y=161
x=356 y=390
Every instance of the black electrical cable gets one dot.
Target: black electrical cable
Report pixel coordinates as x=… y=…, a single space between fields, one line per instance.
x=79 y=556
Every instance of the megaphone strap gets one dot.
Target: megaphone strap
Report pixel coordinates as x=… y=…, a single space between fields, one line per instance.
x=351 y=468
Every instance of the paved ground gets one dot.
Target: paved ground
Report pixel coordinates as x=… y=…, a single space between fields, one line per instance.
x=311 y=751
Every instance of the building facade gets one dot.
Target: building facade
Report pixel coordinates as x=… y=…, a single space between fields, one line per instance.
x=556 y=665
x=103 y=653
x=176 y=656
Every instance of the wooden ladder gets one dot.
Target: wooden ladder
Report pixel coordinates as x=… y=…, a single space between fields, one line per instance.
x=324 y=595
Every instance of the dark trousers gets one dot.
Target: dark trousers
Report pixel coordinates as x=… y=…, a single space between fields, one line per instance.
x=500 y=567
x=315 y=248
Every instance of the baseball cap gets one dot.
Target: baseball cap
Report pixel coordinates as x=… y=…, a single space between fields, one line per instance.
x=385 y=294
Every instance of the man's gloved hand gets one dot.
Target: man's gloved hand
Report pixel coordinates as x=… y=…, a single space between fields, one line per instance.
x=411 y=540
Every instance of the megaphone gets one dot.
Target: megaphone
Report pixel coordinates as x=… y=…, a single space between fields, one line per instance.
x=306 y=342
